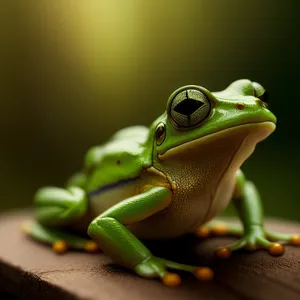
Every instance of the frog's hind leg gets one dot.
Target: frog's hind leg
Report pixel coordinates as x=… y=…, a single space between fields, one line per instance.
x=247 y=202
x=59 y=240
x=56 y=208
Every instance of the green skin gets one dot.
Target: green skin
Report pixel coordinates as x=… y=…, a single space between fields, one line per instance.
x=136 y=185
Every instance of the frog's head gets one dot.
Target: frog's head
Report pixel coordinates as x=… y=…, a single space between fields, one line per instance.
x=196 y=117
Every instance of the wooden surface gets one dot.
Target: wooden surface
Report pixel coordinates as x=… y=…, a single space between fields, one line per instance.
x=31 y=271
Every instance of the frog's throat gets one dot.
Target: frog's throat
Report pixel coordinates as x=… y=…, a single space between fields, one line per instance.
x=243 y=150
x=235 y=154
x=265 y=128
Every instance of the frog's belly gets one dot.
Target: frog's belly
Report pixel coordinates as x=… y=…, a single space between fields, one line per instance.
x=192 y=205
x=188 y=211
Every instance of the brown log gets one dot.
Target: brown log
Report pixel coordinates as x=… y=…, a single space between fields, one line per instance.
x=30 y=270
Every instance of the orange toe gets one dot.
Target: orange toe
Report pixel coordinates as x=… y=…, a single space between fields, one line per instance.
x=223 y=253
x=202 y=232
x=171 y=279
x=295 y=240
x=219 y=229
x=204 y=273
x=276 y=249
x=60 y=247
x=91 y=247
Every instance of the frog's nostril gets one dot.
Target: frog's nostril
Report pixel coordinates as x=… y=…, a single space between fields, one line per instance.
x=240 y=106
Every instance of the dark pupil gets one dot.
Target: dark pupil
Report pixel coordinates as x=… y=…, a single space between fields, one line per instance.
x=188 y=106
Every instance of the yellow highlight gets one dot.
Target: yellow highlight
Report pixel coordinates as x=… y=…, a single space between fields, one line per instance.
x=204 y=273
x=60 y=247
x=171 y=279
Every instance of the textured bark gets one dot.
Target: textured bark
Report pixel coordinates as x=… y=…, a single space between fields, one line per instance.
x=30 y=270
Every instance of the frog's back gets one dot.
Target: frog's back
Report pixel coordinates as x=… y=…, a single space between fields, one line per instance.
x=119 y=160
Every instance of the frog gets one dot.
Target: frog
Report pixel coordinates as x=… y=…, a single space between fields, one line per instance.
x=164 y=181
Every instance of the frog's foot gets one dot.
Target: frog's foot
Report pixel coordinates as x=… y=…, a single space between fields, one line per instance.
x=60 y=241
x=257 y=238
x=158 y=267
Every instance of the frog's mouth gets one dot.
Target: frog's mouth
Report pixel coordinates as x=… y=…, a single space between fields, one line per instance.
x=257 y=131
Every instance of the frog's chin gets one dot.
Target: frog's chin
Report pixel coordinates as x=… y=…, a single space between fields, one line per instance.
x=255 y=132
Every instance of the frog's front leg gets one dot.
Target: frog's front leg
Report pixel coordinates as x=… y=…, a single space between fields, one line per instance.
x=253 y=235
x=109 y=230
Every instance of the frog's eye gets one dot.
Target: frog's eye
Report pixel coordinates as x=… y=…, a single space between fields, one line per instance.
x=260 y=92
x=189 y=108
x=160 y=133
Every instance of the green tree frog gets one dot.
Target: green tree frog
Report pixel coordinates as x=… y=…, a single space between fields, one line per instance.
x=165 y=181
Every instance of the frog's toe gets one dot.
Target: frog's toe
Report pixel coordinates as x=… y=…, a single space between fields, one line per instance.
x=60 y=247
x=285 y=238
x=295 y=239
x=244 y=243
x=223 y=253
x=202 y=232
x=251 y=242
x=218 y=228
x=158 y=267
x=204 y=273
x=276 y=249
x=171 y=279
x=215 y=228
x=91 y=247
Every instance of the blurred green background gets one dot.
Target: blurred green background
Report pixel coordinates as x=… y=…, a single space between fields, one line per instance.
x=73 y=72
